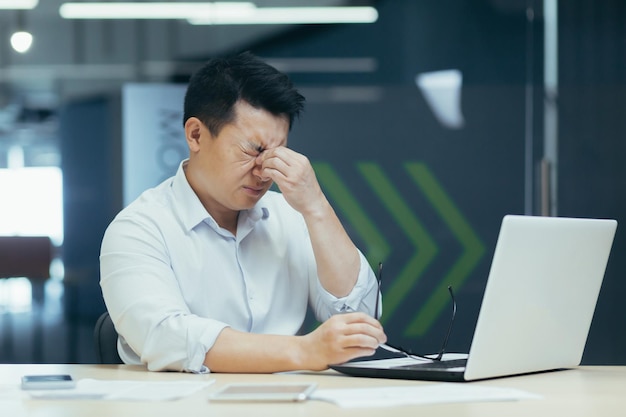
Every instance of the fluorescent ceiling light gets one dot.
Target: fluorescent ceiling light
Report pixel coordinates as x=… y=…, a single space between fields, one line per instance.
x=18 y=4
x=218 y=13
x=292 y=15
x=152 y=10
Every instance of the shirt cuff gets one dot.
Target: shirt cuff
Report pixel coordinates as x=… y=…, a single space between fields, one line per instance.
x=359 y=298
x=200 y=339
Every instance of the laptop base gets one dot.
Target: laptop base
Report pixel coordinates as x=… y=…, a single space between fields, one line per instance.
x=397 y=373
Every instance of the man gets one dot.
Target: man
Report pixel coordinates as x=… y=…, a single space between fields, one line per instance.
x=210 y=271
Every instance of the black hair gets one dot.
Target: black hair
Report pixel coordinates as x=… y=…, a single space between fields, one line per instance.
x=216 y=87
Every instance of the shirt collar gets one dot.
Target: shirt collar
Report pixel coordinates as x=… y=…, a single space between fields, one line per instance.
x=191 y=210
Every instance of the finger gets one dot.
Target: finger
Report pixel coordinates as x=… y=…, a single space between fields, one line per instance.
x=279 y=152
x=365 y=329
x=359 y=317
x=361 y=341
x=289 y=157
x=362 y=328
x=352 y=353
x=277 y=164
x=275 y=175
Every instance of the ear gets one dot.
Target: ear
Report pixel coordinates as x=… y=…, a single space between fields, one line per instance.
x=193 y=132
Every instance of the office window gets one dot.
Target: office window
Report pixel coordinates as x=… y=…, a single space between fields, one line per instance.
x=32 y=202
x=32 y=205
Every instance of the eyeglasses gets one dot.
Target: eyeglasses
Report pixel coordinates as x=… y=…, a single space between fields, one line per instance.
x=407 y=352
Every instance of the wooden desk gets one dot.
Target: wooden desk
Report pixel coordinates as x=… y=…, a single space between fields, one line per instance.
x=585 y=391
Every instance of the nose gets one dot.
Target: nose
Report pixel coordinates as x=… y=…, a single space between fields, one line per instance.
x=257 y=171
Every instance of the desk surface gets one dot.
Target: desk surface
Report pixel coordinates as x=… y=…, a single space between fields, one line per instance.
x=584 y=391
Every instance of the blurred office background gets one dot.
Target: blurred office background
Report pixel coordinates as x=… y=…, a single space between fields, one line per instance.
x=425 y=125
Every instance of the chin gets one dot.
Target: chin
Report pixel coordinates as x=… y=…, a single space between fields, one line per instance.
x=249 y=203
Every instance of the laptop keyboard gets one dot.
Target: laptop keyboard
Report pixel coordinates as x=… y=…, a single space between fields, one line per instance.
x=455 y=363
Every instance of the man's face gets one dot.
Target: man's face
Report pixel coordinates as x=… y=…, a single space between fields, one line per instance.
x=223 y=170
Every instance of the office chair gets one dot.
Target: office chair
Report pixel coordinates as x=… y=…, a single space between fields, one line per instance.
x=105 y=338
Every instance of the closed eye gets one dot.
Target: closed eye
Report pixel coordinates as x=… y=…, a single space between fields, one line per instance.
x=254 y=149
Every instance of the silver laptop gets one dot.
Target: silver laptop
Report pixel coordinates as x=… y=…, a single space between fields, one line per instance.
x=537 y=308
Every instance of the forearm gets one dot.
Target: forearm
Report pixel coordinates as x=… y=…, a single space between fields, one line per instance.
x=239 y=352
x=339 y=339
x=337 y=258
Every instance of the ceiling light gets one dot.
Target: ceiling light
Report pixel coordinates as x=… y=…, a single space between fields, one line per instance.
x=151 y=10
x=291 y=15
x=218 y=13
x=18 y=4
x=21 y=41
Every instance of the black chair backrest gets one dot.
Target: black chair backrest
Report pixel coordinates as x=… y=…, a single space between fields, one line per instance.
x=105 y=338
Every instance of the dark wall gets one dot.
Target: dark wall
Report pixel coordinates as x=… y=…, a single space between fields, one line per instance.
x=592 y=147
x=480 y=167
x=90 y=149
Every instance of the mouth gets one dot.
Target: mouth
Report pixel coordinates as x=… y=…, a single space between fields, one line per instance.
x=254 y=191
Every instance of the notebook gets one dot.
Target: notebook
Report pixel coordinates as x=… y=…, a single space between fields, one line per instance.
x=537 y=307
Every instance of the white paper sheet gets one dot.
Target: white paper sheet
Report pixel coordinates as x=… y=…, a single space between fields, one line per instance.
x=422 y=394
x=125 y=390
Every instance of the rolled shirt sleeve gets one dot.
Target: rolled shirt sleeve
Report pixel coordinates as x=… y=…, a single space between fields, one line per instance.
x=361 y=298
x=144 y=300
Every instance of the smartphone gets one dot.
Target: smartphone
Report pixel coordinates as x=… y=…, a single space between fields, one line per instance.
x=264 y=392
x=43 y=382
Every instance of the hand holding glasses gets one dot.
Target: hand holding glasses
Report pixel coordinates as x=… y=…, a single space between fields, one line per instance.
x=405 y=352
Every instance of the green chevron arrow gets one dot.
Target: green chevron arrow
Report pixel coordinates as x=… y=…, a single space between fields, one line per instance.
x=377 y=247
x=461 y=269
x=425 y=247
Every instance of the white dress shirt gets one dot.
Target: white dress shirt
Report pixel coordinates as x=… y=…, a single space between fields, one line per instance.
x=172 y=279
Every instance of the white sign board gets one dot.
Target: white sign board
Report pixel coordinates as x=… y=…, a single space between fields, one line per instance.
x=153 y=141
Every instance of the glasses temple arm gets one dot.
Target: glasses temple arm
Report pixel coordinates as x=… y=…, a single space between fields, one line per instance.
x=445 y=341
